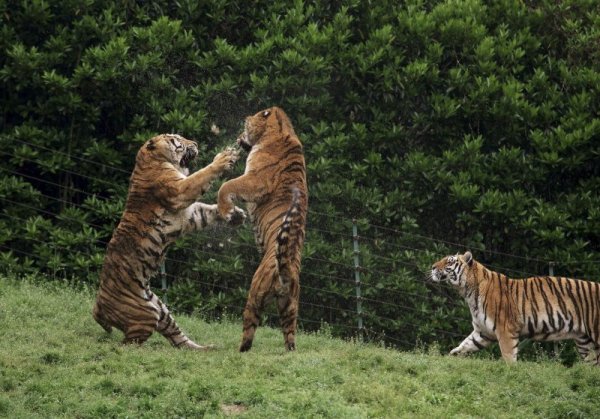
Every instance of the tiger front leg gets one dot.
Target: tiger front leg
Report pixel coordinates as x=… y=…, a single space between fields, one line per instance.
x=472 y=343
x=194 y=186
x=200 y=215
x=509 y=346
x=246 y=188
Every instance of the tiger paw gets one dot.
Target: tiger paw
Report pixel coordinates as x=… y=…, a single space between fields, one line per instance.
x=236 y=217
x=193 y=345
x=246 y=345
x=209 y=347
x=232 y=215
x=456 y=352
x=226 y=158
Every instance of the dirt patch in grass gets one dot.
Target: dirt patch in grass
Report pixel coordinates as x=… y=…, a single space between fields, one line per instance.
x=233 y=409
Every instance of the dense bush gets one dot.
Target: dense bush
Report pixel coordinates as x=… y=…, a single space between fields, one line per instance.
x=438 y=126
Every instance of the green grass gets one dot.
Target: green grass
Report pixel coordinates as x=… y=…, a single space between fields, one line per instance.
x=56 y=362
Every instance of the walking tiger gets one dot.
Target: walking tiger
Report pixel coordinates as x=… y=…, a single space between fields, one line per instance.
x=541 y=308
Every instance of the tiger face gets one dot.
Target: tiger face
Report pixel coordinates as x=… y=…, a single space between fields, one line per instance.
x=452 y=269
x=255 y=126
x=172 y=148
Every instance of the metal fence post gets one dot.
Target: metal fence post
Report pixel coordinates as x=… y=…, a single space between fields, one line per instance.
x=163 y=278
x=357 y=279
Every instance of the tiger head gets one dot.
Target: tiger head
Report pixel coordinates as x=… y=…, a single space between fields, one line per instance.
x=256 y=126
x=453 y=269
x=171 y=148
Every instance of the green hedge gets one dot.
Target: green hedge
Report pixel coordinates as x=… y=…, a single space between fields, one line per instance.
x=438 y=126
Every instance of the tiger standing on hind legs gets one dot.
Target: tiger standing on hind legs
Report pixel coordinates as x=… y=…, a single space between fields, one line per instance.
x=161 y=207
x=275 y=190
x=543 y=308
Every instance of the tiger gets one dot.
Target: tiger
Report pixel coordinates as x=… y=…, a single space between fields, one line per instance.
x=275 y=190
x=160 y=207
x=542 y=308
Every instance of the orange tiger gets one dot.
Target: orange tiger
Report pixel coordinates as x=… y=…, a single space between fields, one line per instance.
x=161 y=206
x=541 y=308
x=275 y=190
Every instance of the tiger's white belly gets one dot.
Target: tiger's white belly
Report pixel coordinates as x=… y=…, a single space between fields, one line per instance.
x=561 y=328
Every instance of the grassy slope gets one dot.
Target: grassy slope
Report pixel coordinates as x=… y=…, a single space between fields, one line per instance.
x=55 y=361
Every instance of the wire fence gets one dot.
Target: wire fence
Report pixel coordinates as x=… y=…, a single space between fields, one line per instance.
x=345 y=292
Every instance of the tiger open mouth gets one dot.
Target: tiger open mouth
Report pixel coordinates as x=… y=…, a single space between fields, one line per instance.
x=188 y=157
x=242 y=141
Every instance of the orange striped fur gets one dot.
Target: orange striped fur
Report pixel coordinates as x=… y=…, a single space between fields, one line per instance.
x=161 y=207
x=504 y=310
x=274 y=188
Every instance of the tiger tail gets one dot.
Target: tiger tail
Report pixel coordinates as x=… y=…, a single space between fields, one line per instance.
x=288 y=253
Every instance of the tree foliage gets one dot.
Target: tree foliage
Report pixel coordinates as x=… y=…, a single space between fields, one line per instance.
x=437 y=125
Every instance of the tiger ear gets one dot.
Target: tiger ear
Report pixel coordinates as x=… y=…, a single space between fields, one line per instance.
x=150 y=145
x=468 y=258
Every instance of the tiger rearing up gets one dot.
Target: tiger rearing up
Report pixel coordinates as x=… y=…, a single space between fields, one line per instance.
x=541 y=308
x=274 y=187
x=161 y=206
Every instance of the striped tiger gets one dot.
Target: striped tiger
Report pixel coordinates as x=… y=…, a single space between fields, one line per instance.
x=161 y=207
x=542 y=308
x=275 y=190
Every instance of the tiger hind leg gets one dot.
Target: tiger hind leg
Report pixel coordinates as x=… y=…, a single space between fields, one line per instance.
x=585 y=344
x=138 y=333
x=288 y=314
x=167 y=326
x=250 y=324
x=259 y=295
x=100 y=318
